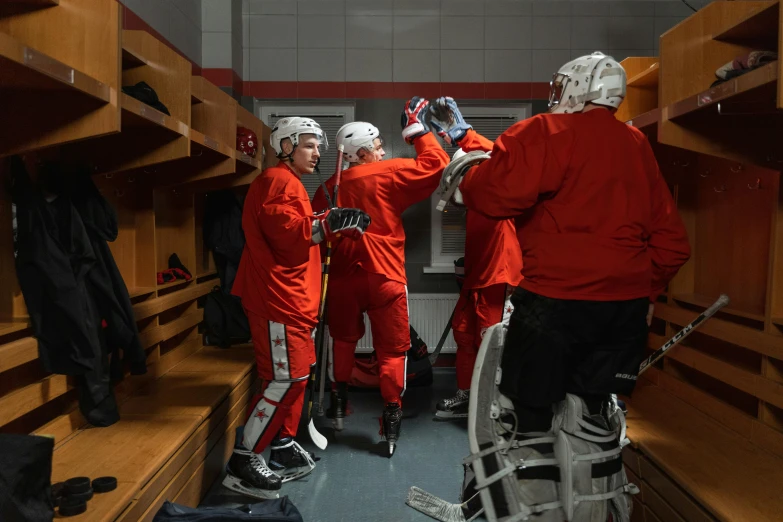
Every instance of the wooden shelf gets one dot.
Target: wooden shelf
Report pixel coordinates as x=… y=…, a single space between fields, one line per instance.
x=778 y=321
x=138 y=292
x=647 y=119
x=24 y=68
x=131 y=59
x=246 y=161
x=704 y=302
x=207 y=145
x=178 y=282
x=41 y=3
x=206 y=273
x=752 y=87
x=759 y=29
x=138 y=114
x=13 y=327
x=647 y=79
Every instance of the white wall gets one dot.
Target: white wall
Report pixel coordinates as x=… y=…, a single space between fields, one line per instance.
x=179 y=21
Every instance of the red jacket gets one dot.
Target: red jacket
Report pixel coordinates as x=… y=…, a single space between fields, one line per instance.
x=595 y=218
x=383 y=190
x=492 y=253
x=279 y=276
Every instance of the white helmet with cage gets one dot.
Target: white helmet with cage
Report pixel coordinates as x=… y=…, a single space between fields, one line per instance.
x=594 y=78
x=356 y=136
x=292 y=127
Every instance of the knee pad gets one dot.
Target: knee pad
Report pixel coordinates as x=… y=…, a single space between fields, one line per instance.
x=588 y=448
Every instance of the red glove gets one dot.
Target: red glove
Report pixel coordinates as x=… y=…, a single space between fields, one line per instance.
x=413 y=123
x=336 y=222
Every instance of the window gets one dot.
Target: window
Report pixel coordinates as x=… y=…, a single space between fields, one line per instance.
x=329 y=117
x=448 y=228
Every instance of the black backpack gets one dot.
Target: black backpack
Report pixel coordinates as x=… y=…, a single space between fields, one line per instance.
x=225 y=322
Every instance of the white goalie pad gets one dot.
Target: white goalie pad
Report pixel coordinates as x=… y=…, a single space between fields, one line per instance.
x=588 y=449
x=453 y=173
x=516 y=474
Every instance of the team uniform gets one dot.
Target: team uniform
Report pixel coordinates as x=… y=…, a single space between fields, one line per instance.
x=600 y=238
x=369 y=276
x=493 y=268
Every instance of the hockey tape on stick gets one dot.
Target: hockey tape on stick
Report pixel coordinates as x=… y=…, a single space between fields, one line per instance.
x=722 y=301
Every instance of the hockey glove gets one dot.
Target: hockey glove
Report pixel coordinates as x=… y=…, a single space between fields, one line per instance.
x=447 y=120
x=335 y=222
x=413 y=121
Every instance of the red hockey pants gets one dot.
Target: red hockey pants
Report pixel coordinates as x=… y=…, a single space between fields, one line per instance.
x=284 y=355
x=477 y=310
x=386 y=304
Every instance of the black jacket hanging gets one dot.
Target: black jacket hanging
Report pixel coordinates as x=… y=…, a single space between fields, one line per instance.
x=223 y=234
x=25 y=478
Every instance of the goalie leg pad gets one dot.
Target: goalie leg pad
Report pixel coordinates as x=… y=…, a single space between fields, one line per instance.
x=588 y=452
x=516 y=475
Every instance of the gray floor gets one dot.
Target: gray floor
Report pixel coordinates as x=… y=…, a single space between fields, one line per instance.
x=355 y=481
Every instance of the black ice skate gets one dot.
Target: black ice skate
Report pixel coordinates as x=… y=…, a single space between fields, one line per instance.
x=454 y=407
x=338 y=405
x=247 y=473
x=391 y=422
x=289 y=460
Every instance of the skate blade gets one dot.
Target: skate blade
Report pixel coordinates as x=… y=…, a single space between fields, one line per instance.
x=238 y=485
x=449 y=415
x=295 y=473
x=392 y=447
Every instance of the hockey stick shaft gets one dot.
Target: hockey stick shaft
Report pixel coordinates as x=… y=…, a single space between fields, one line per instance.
x=722 y=301
x=434 y=355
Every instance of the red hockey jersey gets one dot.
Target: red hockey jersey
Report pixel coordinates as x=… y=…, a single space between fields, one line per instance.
x=595 y=218
x=492 y=252
x=279 y=276
x=384 y=190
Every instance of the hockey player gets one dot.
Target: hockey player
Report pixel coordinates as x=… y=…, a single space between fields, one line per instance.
x=369 y=276
x=493 y=268
x=600 y=238
x=279 y=280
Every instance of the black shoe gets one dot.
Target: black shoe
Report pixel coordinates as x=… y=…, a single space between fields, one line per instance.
x=289 y=460
x=454 y=407
x=338 y=405
x=247 y=473
x=391 y=423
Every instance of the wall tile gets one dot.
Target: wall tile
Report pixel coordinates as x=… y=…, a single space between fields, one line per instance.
x=321 y=7
x=191 y=9
x=551 y=32
x=321 y=31
x=185 y=35
x=508 y=33
x=271 y=7
x=417 y=7
x=416 y=32
x=217 y=50
x=462 y=32
x=368 y=32
x=545 y=63
x=245 y=30
x=246 y=64
x=631 y=32
x=674 y=8
x=591 y=8
x=594 y=34
x=369 y=7
x=508 y=8
x=507 y=66
x=216 y=15
x=551 y=8
x=462 y=66
x=416 y=66
x=371 y=65
x=462 y=8
x=626 y=8
x=324 y=65
x=272 y=64
x=272 y=31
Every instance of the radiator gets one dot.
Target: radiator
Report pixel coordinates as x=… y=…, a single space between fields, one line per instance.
x=429 y=314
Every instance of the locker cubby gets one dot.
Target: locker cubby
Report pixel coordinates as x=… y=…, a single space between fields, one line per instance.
x=641 y=109
x=205 y=264
x=174 y=230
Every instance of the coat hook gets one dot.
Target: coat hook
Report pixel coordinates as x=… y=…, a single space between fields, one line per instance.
x=108 y=176
x=685 y=164
x=738 y=168
x=721 y=189
x=119 y=193
x=131 y=179
x=706 y=173
x=755 y=186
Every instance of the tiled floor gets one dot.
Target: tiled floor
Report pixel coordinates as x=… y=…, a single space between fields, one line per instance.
x=355 y=481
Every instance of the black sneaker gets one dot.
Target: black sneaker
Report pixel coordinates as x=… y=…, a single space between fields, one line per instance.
x=247 y=473
x=338 y=405
x=454 y=407
x=289 y=460
x=391 y=422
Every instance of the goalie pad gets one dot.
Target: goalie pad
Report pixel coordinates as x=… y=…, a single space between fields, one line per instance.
x=516 y=474
x=588 y=447
x=453 y=173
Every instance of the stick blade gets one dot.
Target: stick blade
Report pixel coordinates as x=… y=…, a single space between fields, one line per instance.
x=318 y=439
x=433 y=506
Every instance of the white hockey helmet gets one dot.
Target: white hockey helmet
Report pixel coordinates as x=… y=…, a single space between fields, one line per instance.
x=355 y=136
x=292 y=127
x=595 y=78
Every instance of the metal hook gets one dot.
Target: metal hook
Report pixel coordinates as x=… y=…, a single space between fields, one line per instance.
x=119 y=193
x=738 y=168
x=722 y=188
x=108 y=176
x=685 y=164
x=131 y=179
x=706 y=173
x=150 y=171
x=755 y=186
x=200 y=152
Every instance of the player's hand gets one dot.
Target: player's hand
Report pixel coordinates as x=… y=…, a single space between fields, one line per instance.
x=340 y=222
x=413 y=120
x=447 y=121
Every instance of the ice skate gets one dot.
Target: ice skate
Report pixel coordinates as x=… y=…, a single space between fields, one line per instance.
x=289 y=460
x=338 y=408
x=391 y=422
x=247 y=473
x=454 y=407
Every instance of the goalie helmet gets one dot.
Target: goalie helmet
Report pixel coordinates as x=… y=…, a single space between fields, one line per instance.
x=594 y=78
x=356 y=136
x=292 y=127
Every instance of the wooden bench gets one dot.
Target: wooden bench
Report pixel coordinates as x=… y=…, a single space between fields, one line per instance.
x=692 y=468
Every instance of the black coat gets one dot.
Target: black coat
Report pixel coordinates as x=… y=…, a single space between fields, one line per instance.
x=71 y=285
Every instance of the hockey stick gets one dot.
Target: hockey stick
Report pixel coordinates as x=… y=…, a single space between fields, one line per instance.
x=438 y=508
x=722 y=301
x=434 y=355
